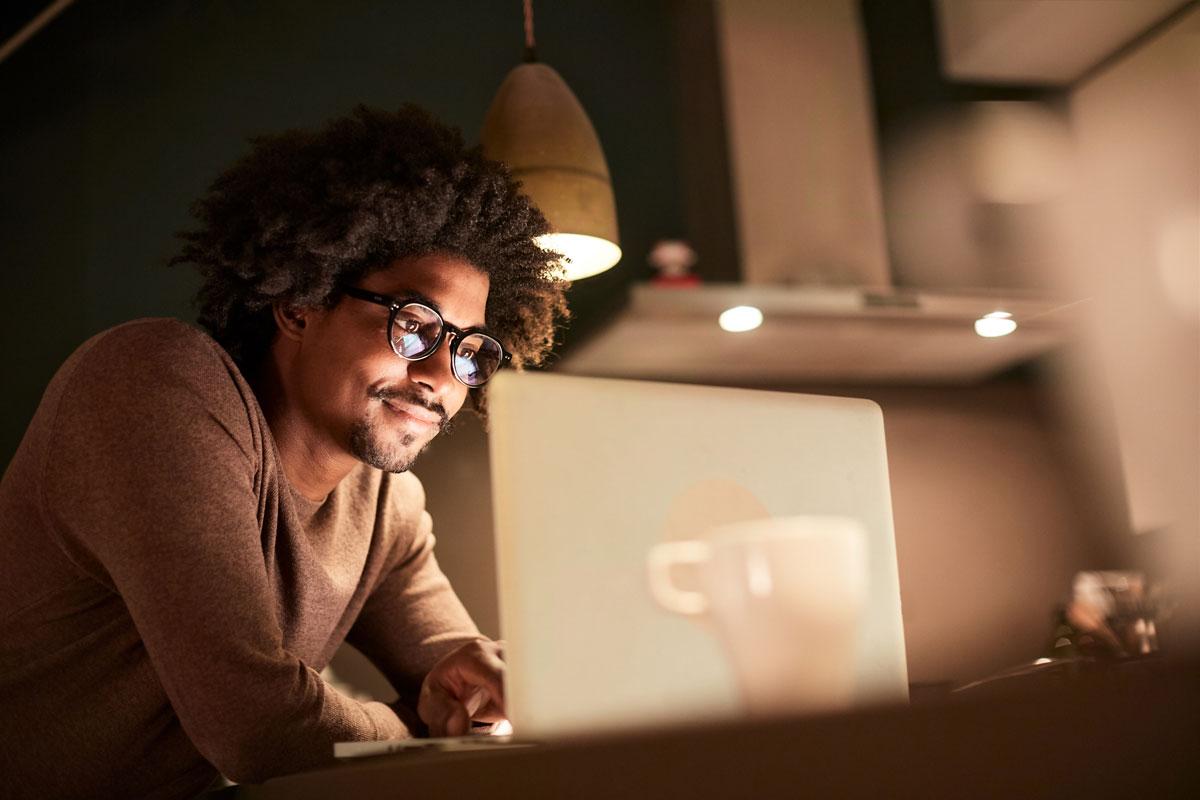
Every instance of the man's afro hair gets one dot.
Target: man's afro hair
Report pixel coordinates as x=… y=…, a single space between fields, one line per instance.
x=306 y=213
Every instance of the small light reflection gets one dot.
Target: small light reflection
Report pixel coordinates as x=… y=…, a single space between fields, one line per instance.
x=740 y=319
x=997 y=323
x=502 y=728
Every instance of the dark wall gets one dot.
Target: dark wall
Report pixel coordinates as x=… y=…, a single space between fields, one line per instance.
x=118 y=114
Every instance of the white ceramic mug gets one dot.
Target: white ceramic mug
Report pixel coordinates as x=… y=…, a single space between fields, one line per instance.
x=784 y=595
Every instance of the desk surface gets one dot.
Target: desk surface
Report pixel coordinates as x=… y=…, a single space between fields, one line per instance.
x=1114 y=737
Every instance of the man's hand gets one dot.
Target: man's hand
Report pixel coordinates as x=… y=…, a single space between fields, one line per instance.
x=467 y=684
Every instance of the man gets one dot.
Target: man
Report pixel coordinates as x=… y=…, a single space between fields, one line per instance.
x=191 y=526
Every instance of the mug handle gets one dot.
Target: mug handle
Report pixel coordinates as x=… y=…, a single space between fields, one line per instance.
x=659 y=561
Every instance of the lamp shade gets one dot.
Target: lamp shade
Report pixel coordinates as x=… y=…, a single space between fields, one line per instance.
x=538 y=127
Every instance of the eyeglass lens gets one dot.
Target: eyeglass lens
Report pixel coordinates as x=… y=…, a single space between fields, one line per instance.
x=476 y=359
x=415 y=333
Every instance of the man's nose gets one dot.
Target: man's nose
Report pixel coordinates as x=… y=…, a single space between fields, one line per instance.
x=434 y=372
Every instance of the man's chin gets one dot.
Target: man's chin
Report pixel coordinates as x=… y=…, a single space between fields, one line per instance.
x=390 y=454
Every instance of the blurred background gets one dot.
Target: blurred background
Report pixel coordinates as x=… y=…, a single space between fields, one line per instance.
x=874 y=175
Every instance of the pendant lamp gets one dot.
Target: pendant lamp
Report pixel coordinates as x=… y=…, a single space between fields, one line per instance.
x=538 y=127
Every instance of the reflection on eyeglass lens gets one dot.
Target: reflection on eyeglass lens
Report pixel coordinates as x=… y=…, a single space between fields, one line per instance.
x=476 y=359
x=416 y=330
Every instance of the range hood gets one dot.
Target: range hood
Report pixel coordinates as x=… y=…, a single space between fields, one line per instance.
x=819 y=335
x=814 y=252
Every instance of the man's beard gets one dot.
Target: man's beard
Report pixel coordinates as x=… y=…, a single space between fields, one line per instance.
x=372 y=446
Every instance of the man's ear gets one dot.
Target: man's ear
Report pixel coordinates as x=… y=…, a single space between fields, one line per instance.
x=290 y=319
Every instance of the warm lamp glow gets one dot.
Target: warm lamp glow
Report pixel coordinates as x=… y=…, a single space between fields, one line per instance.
x=740 y=319
x=583 y=256
x=997 y=323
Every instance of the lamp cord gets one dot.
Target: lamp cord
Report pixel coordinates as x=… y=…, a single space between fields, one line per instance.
x=530 y=55
x=38 y=22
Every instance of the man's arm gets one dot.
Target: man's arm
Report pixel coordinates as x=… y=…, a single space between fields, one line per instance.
x=165 y=513
x=416 y=630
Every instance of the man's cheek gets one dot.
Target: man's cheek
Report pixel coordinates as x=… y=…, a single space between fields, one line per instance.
x=454 y=406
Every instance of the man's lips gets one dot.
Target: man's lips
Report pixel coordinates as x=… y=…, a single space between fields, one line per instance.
x=416 y=412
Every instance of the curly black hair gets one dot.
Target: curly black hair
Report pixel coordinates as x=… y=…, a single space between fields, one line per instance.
x=306 y=213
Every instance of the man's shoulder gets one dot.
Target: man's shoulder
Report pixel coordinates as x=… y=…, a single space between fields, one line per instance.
x=154 y=352
x=155 y=371
x=155 y=338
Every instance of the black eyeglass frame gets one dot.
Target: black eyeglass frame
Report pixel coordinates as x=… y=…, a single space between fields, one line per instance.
x=394 y=306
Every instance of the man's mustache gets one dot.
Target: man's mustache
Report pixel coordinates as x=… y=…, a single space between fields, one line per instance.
x=417 y=400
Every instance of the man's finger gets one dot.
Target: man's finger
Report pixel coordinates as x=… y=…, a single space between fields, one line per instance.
x=444 y=714
x=475 y=701
x=464 y=685
x=485 y=671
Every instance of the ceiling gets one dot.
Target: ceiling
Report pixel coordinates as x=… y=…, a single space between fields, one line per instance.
x=1048 y=42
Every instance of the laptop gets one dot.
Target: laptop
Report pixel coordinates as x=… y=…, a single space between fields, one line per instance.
x=590 y=474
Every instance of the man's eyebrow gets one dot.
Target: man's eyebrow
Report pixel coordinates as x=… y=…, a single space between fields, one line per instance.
x=405 y=295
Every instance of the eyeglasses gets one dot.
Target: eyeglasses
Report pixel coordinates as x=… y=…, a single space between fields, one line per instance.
x=415 y=331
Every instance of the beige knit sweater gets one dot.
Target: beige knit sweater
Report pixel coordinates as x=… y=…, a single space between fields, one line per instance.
x=167 y=599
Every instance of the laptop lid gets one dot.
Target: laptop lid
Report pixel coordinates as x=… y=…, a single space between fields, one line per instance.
x=590 y=474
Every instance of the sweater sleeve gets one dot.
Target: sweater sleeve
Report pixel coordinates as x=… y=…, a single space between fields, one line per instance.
x=413 y=617
x=150 y=483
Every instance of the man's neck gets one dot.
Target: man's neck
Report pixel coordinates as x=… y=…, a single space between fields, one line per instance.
x=311 y=465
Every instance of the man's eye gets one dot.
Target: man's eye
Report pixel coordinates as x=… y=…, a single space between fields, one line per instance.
x=467 y=353
x=409 y=325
